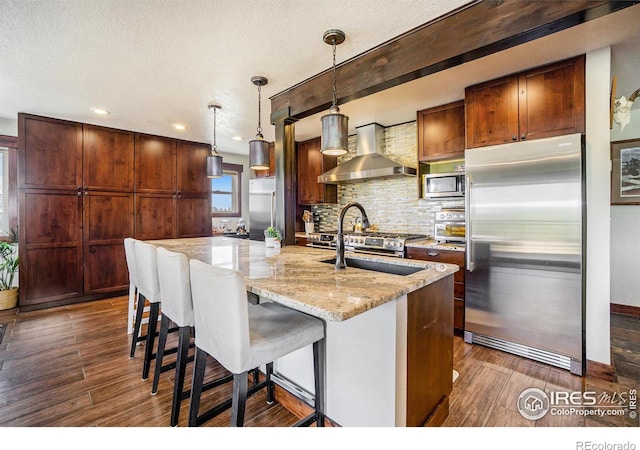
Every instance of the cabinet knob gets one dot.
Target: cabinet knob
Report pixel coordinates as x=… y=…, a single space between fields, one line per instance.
x=514 y=138
x=433 y=253
x=523 y=137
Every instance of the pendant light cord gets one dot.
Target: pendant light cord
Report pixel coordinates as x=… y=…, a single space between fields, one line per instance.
x=214 y=150
x=335 y=101
x=259 y=111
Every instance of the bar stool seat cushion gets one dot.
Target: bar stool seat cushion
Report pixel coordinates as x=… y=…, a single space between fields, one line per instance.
x=239 y=335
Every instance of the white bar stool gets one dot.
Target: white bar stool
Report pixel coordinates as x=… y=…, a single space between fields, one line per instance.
x=177 y=307
x=241 y=337
x=148 y=291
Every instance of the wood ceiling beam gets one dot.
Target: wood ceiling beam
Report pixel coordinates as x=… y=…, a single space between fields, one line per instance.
x=475 y=30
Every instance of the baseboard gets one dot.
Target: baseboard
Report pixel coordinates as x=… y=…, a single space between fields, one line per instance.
x=601 y=371
x=627 y=310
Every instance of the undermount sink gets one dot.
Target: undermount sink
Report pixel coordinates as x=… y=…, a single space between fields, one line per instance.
x=378 y=266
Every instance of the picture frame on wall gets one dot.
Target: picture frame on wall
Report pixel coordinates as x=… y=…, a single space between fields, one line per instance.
x=625 y=174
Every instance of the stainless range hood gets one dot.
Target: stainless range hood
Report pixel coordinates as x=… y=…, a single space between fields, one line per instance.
x=369 y=162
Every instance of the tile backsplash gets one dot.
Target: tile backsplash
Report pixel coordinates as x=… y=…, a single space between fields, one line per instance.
x=392 y=204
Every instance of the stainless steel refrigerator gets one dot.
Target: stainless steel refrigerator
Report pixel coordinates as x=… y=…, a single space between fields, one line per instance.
x=524 y=287
x=262 y=195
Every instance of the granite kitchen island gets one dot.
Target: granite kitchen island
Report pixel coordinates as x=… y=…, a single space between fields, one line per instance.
x=388 y=337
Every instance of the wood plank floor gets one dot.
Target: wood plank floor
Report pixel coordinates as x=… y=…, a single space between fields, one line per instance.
x=70 y=367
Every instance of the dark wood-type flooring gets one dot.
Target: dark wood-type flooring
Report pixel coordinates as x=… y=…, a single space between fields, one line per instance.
x=70 y=366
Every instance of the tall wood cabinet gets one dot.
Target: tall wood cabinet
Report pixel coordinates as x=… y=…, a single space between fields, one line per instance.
x=78 y=199
x=312 y=163
x=173 y=197
x=75 y=208
x=542 y=102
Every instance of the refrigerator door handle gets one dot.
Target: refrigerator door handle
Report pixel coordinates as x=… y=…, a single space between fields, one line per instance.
x=467 y=201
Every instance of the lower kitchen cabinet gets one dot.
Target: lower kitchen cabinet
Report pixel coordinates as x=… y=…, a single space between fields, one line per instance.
x=448 y=257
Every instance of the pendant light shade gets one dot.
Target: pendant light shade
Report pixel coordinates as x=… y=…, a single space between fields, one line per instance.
x=214 y=162
x=335 y=126
x=259 y=153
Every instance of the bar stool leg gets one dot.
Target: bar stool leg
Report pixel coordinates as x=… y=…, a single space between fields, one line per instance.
x=270 y=394
x=181 y=368
x=196 y=386
x=319 y=377
x=137 y=324
x=151 y=335
x=162 y=341
x=239 y=399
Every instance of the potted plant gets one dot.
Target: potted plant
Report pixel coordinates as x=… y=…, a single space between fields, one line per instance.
x=271 y=235
x=8 y=269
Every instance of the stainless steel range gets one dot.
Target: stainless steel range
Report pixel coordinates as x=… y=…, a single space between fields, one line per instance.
x=373 y=243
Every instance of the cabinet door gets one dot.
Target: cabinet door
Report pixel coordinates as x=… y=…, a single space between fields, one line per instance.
x=49 y=154
x=155 y=216
x=107 y=159
x=441 y=132
x=193 y=216
x=192 y=168
x=50 y=245
x=552 y=100
x=271 y=171
x=491 y=110
x=311 y=164
x=155 y=161
x=108 y=219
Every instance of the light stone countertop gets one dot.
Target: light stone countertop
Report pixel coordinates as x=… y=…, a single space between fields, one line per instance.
x=432 y=243
x=295 y=276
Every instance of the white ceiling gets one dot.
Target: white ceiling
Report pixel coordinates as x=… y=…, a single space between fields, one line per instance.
x=155 y=63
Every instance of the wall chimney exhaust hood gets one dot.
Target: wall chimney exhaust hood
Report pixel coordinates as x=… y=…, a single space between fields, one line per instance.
x=369 y=162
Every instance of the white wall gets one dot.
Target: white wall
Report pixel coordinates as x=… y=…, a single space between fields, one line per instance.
x=597 y=85
x=8 y=127
x=625 y=232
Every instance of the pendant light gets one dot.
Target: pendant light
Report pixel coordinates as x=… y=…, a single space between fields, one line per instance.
x=259 y=153
x=335 y=126
x=214 y=162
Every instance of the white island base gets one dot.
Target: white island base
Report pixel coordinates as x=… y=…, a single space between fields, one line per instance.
x=390 y=366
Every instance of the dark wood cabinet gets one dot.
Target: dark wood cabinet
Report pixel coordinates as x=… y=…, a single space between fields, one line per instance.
x=449 y=257
x=541 y=102
x=84 y=188
x=191 y=167
x=50 y=153
x=441 y=132
x=271 y=171
x=173 y=196
x=156 y=159
x=311 y=163
x=112 y=173
x=50 y=250
x=429 y=353
x=108 y=216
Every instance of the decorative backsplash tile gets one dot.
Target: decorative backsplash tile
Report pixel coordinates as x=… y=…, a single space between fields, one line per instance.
x=391 y=204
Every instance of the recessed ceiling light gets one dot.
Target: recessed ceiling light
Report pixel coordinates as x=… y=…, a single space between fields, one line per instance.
x=179 y=126
x=237 y=138
x=102 y=112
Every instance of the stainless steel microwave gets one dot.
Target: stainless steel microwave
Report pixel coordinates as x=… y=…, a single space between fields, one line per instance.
x=443 y=185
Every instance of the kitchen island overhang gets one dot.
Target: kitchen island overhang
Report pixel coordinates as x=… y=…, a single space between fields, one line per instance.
x=389 y=338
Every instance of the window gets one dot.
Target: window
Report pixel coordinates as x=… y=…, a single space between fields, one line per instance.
x=226 y=192
x=4 y=191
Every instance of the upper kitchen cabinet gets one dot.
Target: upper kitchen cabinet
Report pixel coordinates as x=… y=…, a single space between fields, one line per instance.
x=155 y=164
x=271 y=171
x=50 y=153
x=192 y=167
x=542 y=102
x=114 y=173
x=311 y=164
x=441 y=132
